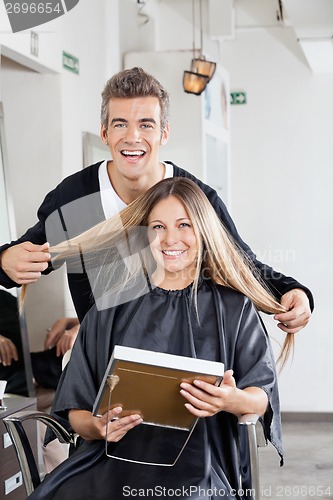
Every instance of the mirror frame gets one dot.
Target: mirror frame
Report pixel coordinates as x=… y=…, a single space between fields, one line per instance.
x=13 y=236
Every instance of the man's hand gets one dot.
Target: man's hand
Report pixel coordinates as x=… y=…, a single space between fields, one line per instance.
x=8 y=351
x=298 y=311
x=24 y=263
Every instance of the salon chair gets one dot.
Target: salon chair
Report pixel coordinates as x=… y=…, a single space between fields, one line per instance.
x=250 y=430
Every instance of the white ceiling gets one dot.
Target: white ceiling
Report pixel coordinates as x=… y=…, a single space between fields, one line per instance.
x=311 y=20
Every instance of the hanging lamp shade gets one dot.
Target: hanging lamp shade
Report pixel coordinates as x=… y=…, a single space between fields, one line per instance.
x=202 y=71
x=194 y=83
x=200 y=65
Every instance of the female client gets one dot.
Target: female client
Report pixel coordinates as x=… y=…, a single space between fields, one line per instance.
x=201 y=300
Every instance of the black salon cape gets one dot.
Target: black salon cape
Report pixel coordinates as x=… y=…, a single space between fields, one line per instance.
x=230 y=331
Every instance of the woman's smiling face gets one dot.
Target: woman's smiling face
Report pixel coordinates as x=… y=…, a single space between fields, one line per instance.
x=173 y=242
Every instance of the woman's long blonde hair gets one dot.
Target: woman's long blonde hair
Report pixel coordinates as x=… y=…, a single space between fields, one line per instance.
x=219 y=258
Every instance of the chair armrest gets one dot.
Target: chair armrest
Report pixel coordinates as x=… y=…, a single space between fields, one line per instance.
x=251 y=435
x=252 y=419
x=15 y=429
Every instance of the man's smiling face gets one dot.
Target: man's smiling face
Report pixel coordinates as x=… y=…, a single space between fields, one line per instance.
x=134 y=135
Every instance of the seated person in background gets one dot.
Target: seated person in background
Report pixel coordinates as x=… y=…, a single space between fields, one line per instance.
x=12 y=366
x=193 y=294
x=46 y=368
x=46 y=365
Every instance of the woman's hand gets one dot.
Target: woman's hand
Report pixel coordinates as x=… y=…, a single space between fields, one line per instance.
x=8 y=351
x=66 y=342
x=90 y=427
x=205 y=400
x=62 y=334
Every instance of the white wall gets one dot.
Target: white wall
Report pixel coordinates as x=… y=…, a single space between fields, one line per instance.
x=282 y=156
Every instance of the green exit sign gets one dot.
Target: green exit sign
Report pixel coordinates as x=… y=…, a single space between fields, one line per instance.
x=70 y=62
x=238 y=98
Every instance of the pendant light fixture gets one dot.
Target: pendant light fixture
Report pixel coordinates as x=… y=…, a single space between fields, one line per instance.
x=202 y=71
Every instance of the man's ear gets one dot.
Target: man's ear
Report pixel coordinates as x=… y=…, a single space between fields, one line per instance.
x=103 y=134
x=165 y=134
